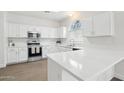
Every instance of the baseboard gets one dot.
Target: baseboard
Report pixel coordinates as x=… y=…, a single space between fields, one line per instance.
x=121 y=77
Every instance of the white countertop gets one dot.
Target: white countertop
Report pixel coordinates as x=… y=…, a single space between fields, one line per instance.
x=87 y=63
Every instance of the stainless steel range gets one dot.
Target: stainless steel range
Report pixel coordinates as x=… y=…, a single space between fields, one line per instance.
x=34 y=50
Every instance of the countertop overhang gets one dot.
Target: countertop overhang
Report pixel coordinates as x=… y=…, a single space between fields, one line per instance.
x=88 y=62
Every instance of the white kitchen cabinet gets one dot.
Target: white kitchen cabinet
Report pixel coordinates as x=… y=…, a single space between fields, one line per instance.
x=13 y=30
x=17 y=30
x=38 y=29
x=22 y=55
x=47 y=50
x=12 y=55
x=107 y=75
x=44 y=32
x=49 y=32
x=24 y=30
x=44 y=52
x=57 y=73
x=17 y=55
x=98 y=25
x=87 y=26
x=53 y=33
x=21 y=30
x=68 y=77
x=32 y=28
x=62 y=32
x=102 y=24
x=2 y=39
x=54 y=71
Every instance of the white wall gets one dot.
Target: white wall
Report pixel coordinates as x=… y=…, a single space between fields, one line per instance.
x=114 y=42
x=2 y=39
x=31 y=20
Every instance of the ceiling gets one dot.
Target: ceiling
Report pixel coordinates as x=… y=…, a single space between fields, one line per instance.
x=53 y=15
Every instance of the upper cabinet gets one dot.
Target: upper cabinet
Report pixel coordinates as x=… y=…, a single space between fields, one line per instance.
x=17 y=30
x=99 y=25
x=47 y=32
x=21 y=30
x=88 y=26
x=13 y=30
x=62 y=32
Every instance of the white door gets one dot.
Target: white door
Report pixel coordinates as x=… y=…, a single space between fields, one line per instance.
x=23 y=55
x=12 y=55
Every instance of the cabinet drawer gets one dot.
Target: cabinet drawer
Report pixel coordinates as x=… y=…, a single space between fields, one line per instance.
x=12 y=55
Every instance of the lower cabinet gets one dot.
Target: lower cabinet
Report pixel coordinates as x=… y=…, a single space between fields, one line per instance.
x=22 y=54
x=107 y=75
x=57 y=73
x=68 y=77
x=54 y=71
x=17 y=55
x=12 y=55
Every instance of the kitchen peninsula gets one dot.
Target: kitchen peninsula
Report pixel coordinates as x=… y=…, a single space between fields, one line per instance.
x=88 y=64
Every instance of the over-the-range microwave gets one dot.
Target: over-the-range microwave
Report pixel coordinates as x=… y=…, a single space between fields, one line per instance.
x=33 y=34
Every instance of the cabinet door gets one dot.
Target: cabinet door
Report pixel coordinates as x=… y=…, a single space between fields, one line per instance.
x=62 y=32
x=13 y=30
x=102 y=24
x=23 y=54
x=44 y=51
x=54 y=71
x=23 y=30
x=12 y=55
x=49 y=32
x=53 y=33
x=44 y=32
x=67 y=76
x=38 y=29
x=87 y=26
x=48 y=49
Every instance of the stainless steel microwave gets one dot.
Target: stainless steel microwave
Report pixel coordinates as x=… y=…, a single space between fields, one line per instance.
x=33 y=35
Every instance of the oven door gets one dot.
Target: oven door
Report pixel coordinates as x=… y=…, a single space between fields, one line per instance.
x=34 y=51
